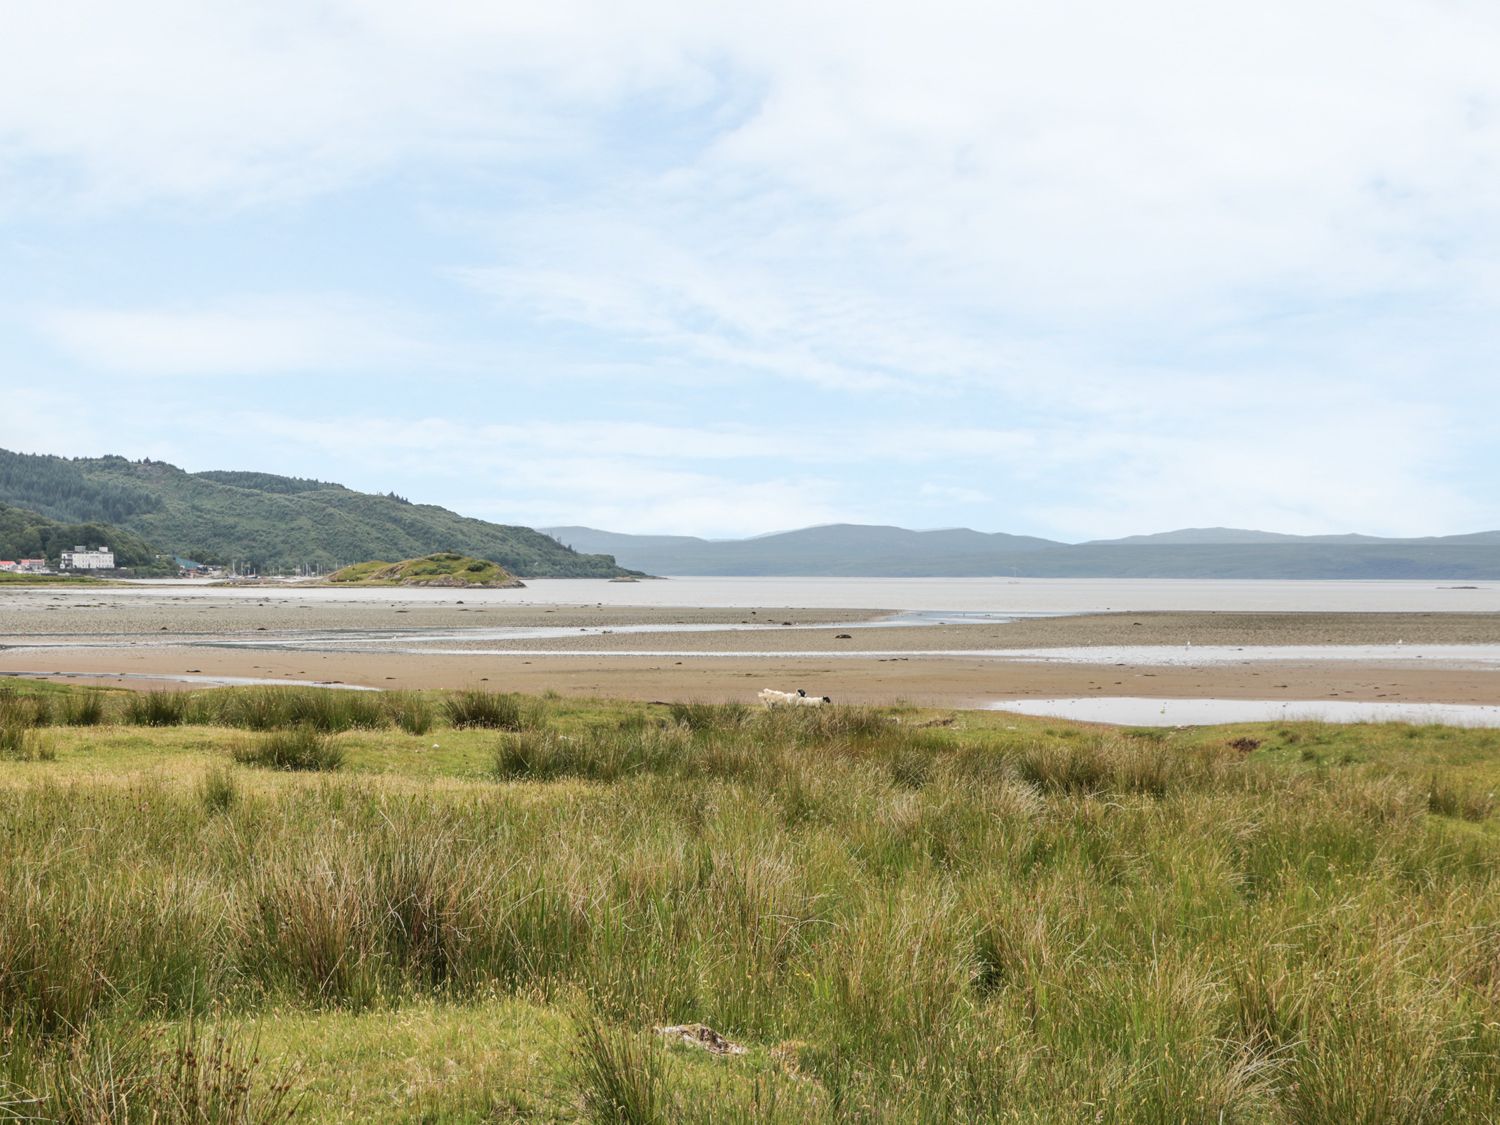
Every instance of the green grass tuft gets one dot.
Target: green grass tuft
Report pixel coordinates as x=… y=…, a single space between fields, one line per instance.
x=300 y=748
x=493 y=710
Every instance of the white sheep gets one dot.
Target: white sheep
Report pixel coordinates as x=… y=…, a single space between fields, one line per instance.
x=773 y=698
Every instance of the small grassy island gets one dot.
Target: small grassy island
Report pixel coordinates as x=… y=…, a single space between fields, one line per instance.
x=442 y=569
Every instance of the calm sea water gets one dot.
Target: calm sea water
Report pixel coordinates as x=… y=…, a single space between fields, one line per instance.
x=933 y=595
x=1211 y=712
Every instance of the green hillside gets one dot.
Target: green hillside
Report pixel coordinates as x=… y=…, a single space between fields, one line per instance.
x=27 y=535
x=272 y=523
x=443 y=569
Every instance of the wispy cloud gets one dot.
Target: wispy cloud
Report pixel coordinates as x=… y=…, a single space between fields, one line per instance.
x=246 y=336
x=1075 y=268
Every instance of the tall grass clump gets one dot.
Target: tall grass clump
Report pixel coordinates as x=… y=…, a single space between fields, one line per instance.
x=605 y=755
x=158 y=708
x=218 y=788
x=1445 y=799
x=24 y=709
x=120 y=1072
x=410 y=711
x=812 y=725
x=264 y=708
x=621 y=1075
x=24 y=744
x=299 y=748
x=81 y=709
x=477 y=707
x=699 y=716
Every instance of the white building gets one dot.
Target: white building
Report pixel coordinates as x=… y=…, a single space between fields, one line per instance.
x=86 y=558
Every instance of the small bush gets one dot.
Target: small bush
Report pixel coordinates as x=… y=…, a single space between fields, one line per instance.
x=300 y=748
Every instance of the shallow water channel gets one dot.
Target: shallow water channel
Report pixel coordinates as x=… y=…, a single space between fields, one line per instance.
x=1137 y=712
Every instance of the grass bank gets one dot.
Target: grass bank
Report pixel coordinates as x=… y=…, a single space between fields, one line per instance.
x=901 y=916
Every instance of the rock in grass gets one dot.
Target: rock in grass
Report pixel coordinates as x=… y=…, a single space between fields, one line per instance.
x=702 y=1036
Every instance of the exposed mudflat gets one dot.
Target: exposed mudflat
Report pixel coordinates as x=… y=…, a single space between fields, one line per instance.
x=658 y=652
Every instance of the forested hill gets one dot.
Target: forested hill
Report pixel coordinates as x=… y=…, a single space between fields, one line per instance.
x=271 y=522
x=29 y=535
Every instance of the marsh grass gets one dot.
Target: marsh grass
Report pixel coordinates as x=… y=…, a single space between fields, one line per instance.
x=124 y=1072
x=1446 y=799
x=24 y=744
x=219 y=789
x=900 y=923
x=299 y=748
x=18 y=709
x=81 y=709
x=410 y=711
x=158 y=708
x=491 y=710
x=704 y=717
x=622 y=1075
x=266 y=708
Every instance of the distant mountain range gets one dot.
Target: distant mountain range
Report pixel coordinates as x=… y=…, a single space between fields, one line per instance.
x=852 y=550
x=264 y=521
x=277 y=524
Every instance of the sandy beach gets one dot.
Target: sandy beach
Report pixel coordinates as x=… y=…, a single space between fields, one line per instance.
x=176 y=638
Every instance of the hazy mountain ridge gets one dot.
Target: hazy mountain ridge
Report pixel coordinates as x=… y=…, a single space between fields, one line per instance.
x=270 y=521
x=851 y=550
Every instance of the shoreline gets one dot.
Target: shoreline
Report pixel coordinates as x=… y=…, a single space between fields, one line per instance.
x=953 y=682
x=730 y=653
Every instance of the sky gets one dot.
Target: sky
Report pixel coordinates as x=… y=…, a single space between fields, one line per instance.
x=1072 y=269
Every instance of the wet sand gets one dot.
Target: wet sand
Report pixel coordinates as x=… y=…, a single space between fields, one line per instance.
x=190 y=634
x=933 y=681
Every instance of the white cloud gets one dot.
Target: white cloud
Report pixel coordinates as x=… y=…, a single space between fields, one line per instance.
x=249 y=336
x=1159 y=263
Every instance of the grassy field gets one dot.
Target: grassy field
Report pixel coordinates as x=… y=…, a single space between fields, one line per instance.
x=268 y=904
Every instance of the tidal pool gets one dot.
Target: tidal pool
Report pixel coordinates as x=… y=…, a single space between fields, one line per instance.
x=1133 y=711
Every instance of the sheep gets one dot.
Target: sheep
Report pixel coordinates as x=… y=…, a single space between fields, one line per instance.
x=773 y=698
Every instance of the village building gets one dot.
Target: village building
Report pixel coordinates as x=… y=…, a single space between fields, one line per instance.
x=32 y=566
x=88 y=558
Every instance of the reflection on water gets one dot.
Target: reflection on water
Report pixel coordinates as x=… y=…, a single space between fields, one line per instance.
x=1134 y=712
